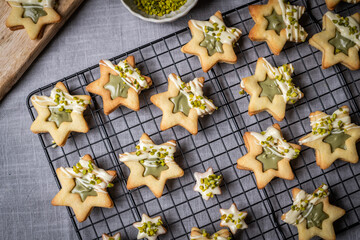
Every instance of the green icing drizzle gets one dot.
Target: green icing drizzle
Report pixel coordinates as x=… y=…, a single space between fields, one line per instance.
x=341 y=44
x=269 y=88
x=59 y=116
x=336 y=140
x=181 y=104
x=211 y=44
x=33 y=11
x=275 y=22
x=268 y=159
x=117 y=87
x=155 y=169
x=315 y=217
x=82 y=190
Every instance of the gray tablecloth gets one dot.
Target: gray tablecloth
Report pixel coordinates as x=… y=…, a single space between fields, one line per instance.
x=97 y=30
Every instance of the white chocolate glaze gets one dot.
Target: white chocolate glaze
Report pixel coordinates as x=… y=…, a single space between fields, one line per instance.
x=115 y=237
x=44 y=3
x=155 y=220
x=209 y=192
x=233 y=218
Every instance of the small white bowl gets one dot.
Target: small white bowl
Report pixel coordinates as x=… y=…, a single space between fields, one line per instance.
x=129 y=4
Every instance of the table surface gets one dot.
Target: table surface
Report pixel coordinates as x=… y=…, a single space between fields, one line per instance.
x=97 y=30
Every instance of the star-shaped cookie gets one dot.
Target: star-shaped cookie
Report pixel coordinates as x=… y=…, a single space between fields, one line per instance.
x=276 y=23
x=119 y=84
x=339 y=41
x=183 y=103
x=212 y=41
x=268 y=155
x=233 y=219
x=312 y=214
x=115 y=237
x=151 y=165
x=84 y=187
x=32 y=17
x=60 y=114
x=333 y=137
x=207 y=183
x=331 y=4
x=201 y=234
x=149 y=228
x=271 y=88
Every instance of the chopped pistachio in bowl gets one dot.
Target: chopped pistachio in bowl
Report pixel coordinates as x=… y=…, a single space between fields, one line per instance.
x=187 y=5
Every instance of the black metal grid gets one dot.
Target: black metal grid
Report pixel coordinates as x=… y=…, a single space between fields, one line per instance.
x=219 y=142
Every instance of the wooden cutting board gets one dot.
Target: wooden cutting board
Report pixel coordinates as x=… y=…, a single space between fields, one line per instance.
x=18 y=51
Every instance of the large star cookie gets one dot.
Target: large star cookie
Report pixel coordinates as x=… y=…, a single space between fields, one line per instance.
x=32 y=15
x=212 y=41
x=276 y=23
x=268 y=155
x=233 y=219
x=331 y=4
x=149 y=228
x=119 y=84
x=84 y=187
x=183 y=103
x=115 y=237
x=207 y=184
x=339 y=41
x=60 y=114
x=151 y=165
x=312 y=214
x=201 y=234
x=333 y=137
x=271 y=89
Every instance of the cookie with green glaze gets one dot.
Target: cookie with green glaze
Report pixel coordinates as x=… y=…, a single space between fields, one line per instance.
x=268 y=156
x=333 y=137
x=32 y=15
x=119 y=85
x=339 y=41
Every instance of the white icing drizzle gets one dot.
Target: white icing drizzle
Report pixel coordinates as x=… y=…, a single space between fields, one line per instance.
x=130 y=75
x=233 y=218
x=145 y=219
x=210 y=191
x=61 y=100
x=324 y=125
x=88 y=178
x=44 y=3
x=225 y=34
x=273 y=140
x=291 y=15
x=115 y=237
x=345 y=30
x=351 y=1
x=303 y=202
x=146 y=151
x=194 y=93
x=282 y=76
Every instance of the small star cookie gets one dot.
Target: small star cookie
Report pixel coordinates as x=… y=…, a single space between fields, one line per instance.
x=333 y=137
x=207 y=183
x=233 y=219
x=268 y=155
x=312 y=214
x=151 y=165
x=331 y=4
x=32 y=15
x=149 y=228
x=212 y=41
x=339 y=41
x=276 y=23
x=84 y=187
x=119 y=85
x=201 y=234
x=183 y=103
x=271 y=89
x=60 y=114
x=115 y=237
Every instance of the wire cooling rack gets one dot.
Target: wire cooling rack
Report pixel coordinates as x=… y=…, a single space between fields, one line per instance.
x=219 y=142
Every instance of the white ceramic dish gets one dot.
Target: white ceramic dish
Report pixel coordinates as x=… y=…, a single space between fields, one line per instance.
x=129 y=4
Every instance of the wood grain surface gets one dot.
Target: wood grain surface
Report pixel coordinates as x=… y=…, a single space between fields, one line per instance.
x=18 y=51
